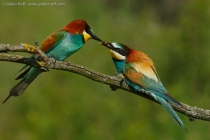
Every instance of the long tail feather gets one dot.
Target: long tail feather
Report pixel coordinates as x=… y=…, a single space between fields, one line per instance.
x=165 y=96
x=18 y=89
x=23 y=74
x=171 y=112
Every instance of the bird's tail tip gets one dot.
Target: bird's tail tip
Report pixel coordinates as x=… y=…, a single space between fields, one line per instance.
x=6 y=98
x=185 y=128
x=172 y=113
x=180 y=123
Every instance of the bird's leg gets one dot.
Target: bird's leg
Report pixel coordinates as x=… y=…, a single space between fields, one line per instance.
x=38 y=54
x=121 y=78
x=41 y=58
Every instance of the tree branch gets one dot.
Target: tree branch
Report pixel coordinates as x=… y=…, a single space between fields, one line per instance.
x=45 y=63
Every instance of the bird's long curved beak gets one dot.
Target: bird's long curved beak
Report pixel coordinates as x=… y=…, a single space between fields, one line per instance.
x=95 y=37
x=107 y=44
x=111 y=47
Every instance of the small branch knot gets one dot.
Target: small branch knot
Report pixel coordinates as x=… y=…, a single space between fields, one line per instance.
x=191 y=118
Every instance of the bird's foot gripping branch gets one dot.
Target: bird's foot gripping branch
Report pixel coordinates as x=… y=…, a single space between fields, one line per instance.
x=121 y=79
x=40 y=57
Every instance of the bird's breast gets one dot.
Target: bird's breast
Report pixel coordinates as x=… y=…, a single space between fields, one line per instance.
x=69 y=45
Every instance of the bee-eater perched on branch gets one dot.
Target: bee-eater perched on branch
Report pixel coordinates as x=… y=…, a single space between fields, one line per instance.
x=59 y=45
x=139 y=73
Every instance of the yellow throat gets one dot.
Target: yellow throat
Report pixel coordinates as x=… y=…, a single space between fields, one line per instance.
x=116 y=55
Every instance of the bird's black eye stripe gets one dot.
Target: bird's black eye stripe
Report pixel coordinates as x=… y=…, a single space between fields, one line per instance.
x=118 y=50
x=87 y=30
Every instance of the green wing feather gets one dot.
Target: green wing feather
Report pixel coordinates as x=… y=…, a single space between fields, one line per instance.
x=49 y=43
x=135 y=75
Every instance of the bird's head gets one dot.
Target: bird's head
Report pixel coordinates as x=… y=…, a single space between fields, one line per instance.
x=118 y=51
x=80 y=26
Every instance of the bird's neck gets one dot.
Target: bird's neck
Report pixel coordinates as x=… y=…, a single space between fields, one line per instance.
x=119 y=64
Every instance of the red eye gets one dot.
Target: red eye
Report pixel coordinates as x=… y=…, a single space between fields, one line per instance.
x=119 y=50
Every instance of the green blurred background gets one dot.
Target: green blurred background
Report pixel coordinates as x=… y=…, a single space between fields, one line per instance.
x=62 y=105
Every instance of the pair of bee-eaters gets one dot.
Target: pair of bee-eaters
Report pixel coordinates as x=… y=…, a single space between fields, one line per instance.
x=137 y=68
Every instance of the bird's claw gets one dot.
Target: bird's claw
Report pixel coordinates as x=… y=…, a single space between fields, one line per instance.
x=121 y=79
x=40 y=57
x=43 y=61
x=39 y=60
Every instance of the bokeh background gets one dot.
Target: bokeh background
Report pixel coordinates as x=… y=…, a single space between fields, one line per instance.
x=62 y=105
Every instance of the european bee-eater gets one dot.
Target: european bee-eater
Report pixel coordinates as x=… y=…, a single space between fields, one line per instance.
x=59 y=45
x=139 y=73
